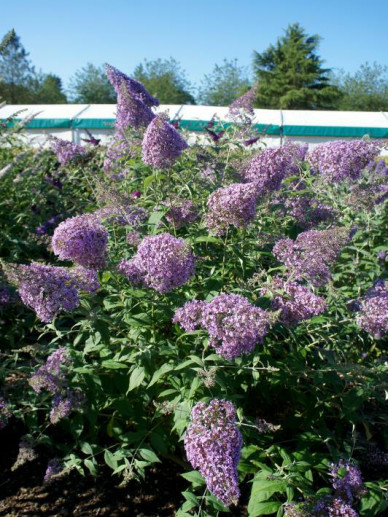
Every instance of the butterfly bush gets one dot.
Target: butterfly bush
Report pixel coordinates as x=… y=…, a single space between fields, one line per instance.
x=296 y=302
x=213 y=446
x=373 y=315
x=50 y=289
x=5 y=413
x=52 y=377
x=162 y=262
x=342 y=159
x=181 y=212
x=312 y=253
x=307 y=211
x=162 y=144
x=349 y=487
x=235 y=326
x=82 y=239
x=54 y=467
x=133 y=101
x=234 y=205
x=241 y=110
x=136 y=89
x=66 y=151
x=269 y=168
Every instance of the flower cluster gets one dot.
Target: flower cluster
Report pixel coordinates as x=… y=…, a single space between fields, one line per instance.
x=82 y=239
x=162 y=144
x=181 y=212
x=54 y=467
x=48 y=289
x=234 y=325
x=312 y=253
x=213 y=446
x=44 y=228
x=162 y=262
x=232 y=205
x=26 y=452
x=296 y=302
x=242 y=108
x=66 y=151
x=4 y=413
x=373 y=315
x=52 y=377
x=133 y=101
x=342 y=159
x=350 y=486
x=346 y=491
x=268 y=169
x=136 y=89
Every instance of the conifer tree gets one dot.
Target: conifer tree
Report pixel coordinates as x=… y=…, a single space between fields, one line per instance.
x=291 y=76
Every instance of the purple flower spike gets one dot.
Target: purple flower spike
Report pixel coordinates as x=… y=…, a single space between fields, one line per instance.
x=213 y=446
x=162 y=262
x=134 y=88
x=82 y=239
x=342 y=159
x=162 y=144
x=66 y=151
x=234 y=205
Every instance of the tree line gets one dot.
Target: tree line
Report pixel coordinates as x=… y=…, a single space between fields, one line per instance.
x=288 y=75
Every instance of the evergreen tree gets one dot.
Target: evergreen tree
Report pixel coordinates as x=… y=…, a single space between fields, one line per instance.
x=48 y=90
x=291 y=76
x=365 y=90
x=90 y=85
x=165 y=80
x=16 y=72
x=224 y=84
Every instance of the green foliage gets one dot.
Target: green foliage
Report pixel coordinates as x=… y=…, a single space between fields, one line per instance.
x=365 y=90
x=91 y=86
x=165 y=80
x=290 y=74
x=48 y=89
x=16 y=72
x=224 y=84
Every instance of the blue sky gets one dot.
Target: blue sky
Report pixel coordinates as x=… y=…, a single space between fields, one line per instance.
x=62 y=36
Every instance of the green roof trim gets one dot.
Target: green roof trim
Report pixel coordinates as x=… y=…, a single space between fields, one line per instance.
x=200 y=125
x=43 y=123
x=93 y=123
x=338 y=131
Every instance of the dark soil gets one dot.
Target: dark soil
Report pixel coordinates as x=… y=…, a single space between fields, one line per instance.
x=23 y=494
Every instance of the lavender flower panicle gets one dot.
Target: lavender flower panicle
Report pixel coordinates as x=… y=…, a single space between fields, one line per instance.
x=51 y=375
x=373 y=315
x=119 y=151
x=82 y=239
x=242 y=108
x=54 y=468
x=350 y=486
x=121 y=215
x=342 y=159
x=135 y=88
x=49 y=289
x=131 y=111
x=234 y=325
x=26 y=452
x=162 y=144
x=162 y=262
x=213 y=446
x=63 y=404
x=4 y=412
x=296 y=302
x=312 y=253
x=66 y=151
x=234 y=205
x=269 y=168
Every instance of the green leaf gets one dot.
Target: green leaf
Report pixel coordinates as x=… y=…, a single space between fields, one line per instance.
x=110 y=460
x=268 y=508
x=165 y=368
x=136 y=378
x=92 y=466
x=194 y=477
x=109 y=364
x=149 y=455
